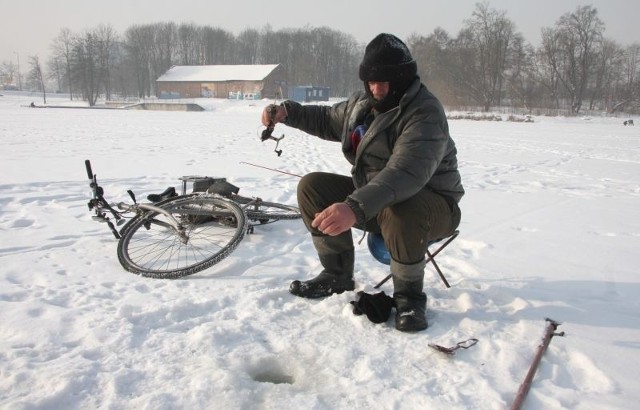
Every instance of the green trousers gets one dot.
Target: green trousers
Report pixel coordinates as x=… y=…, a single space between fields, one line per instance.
x=407 y=226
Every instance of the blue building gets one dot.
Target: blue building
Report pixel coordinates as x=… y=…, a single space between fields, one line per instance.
x=307 y=93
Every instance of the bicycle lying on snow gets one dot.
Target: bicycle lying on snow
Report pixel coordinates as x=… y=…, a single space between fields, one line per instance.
x=178 y=235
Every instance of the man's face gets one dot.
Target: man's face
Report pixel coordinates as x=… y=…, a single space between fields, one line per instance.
x=379 y=89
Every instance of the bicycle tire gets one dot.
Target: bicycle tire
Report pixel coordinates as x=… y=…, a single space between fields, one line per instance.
x=150 y=247
x=264 y=211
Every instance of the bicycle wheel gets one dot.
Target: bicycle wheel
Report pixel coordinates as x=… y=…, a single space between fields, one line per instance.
x=264 y=211
x=152 y=247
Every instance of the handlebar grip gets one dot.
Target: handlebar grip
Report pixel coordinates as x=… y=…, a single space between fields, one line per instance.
x=87 y=164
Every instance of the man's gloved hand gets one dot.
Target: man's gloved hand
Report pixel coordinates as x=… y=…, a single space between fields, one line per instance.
x=377 y=307
x=279 y=116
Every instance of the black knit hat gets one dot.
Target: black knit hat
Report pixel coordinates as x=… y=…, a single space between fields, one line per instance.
x=387 y=58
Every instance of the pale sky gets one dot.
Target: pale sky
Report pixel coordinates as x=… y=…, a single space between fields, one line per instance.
x=27 y=27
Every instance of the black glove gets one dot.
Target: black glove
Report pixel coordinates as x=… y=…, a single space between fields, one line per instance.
x=377 y=307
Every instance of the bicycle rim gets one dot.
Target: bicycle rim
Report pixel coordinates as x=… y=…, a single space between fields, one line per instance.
x=213 y=228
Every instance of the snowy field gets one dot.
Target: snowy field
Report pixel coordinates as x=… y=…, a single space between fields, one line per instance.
x=550 y=228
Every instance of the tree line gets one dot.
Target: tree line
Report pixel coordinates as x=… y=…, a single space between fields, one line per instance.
x=102 y=63
x=488 y=64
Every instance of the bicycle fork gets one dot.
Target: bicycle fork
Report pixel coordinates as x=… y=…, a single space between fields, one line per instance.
x=172 y=222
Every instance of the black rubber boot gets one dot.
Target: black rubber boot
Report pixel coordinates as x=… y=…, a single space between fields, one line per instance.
x=336 y=277
x=411 y=301
x=411 y=312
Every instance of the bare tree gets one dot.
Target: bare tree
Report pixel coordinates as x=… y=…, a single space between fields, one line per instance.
x=139 y=43
x=606 y=68
x=548 y=63
x=36 y=77
x=190 y=44
x=166 y=36
x=8 y=73
x=62 y=52
x=302 y=69
x=86 y=71
x=218 y=46
x=247 y=47
x=56 y=72
x=627 y=91
x=520 y=74
x=106 y=40
x=570 y=49
x=433 y=55
x=269 y=50
x=344 y=79
x=480 y=55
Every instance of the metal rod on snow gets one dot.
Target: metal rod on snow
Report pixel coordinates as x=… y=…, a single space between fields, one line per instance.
x=271 y=169
x=550 y=331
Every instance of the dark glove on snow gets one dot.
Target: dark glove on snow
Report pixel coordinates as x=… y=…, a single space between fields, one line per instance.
x=377 y=307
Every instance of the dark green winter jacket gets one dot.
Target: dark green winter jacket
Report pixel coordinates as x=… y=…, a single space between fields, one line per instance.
x=404 y=150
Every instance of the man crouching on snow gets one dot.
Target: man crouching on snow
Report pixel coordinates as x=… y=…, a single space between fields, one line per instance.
x=404 y=181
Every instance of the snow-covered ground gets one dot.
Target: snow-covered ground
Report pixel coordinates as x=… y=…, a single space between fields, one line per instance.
x=550 y=228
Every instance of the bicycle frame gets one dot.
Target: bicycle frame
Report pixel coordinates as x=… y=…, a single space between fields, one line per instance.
x=245 y=203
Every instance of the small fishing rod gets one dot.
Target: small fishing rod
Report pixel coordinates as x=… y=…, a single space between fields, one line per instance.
x=271 y=169
x=267 y=132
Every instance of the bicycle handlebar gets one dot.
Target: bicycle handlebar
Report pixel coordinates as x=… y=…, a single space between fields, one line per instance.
x=87 y=164
x=98 y=204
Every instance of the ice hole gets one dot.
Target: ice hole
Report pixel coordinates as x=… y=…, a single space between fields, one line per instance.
x=273 y=377
x=270 y=371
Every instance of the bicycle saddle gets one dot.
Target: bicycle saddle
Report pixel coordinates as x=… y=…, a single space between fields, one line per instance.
x=166 y=194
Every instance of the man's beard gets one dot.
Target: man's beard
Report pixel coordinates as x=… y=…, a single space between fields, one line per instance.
x=383 y=105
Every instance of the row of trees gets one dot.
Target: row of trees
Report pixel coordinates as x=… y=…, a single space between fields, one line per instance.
x=100 y=62
x=309 y=56
x=488 y=64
